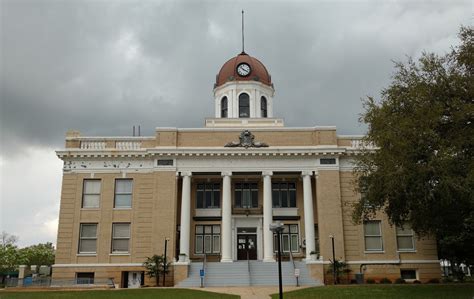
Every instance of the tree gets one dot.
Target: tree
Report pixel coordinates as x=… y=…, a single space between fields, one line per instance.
x=423 y=170
x=155 y=266
x=6 y=239
x=341 y=268
x=9 y=255
x=38 y=255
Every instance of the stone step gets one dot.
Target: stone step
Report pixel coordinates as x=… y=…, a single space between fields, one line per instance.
x=237 y=274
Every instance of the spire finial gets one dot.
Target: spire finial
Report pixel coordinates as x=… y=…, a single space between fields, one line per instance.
x=243 y=43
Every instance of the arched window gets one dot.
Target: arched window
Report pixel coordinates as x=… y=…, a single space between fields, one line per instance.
x=244 y=105
x=263 y=107
x=224 y=107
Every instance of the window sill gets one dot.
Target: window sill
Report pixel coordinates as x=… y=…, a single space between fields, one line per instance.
x=122 y=209
x=375 y=251
x=407 y=251
x=119 y=254
x=90 y=209
x=86 y=254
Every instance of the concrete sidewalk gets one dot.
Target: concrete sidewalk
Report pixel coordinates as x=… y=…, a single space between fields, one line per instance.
x=250 y=292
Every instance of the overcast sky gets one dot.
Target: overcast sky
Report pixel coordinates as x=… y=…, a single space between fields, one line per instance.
x=103 y=66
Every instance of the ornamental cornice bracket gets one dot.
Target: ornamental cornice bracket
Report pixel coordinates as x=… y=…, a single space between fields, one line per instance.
x=246 y=140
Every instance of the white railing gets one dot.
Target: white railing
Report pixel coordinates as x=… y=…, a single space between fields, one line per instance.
x=128 y=145
x=96 y=145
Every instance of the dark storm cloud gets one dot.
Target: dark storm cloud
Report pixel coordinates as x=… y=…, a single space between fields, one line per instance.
x=103 y=66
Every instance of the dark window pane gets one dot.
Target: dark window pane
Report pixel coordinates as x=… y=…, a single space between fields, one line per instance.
x=292 y=198
x=284 y=198
x=326 y=161
x=244 y=105
x=254 y=199
x=238 y=198
x=208 y=197
x=200 y=199
x=276 y=199
x=263 y=106
x=217 y=197
x=224 y=107
x=200 y=186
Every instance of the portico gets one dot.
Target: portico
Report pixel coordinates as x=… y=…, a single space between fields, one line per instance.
x=247 y=208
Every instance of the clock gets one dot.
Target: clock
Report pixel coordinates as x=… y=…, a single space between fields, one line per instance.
x=243 y=69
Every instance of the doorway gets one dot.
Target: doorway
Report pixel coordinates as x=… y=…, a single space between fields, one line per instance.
x=247 y=244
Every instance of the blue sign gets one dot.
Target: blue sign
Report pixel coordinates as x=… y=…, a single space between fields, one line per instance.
x=27 y=281
x=201 y=273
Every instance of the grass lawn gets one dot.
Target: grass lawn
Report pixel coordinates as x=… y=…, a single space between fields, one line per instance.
x=116 y=294
x=451 y=291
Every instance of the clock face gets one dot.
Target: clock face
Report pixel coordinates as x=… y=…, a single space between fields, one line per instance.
x=243 y=69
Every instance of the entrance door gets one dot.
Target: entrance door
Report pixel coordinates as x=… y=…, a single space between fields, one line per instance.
x=134 y=279
x=246 y=243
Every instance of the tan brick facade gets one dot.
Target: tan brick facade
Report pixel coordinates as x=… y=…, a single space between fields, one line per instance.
x=157 y=194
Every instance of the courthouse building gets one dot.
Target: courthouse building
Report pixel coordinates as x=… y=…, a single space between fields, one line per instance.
x=213 y=193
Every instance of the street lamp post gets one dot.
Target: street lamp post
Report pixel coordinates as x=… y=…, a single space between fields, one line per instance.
x=277 y=228
x=333 y=259
x=164 y=264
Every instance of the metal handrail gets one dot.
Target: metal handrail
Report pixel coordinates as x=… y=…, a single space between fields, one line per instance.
x=248 y=261
x=294 y=267
x=248 y=267
x=292 y=260
x=204 y=265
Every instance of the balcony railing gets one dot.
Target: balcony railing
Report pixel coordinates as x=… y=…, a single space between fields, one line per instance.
x=359 y=143
x=103 y=144
x=128 y=145
x=95 y=145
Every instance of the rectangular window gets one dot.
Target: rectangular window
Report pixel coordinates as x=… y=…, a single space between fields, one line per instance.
x=289 y=239
x=88 y=238
x=284 y=195
x=208 y=195
x=405 y=240
x=91 y=194
x=123 y=193
x=208 y=239
x=165 y=162
x=373 y=236
x=327 y=161
x=85 y=278
x=246 y=195
x=408 y=274
x=120 y=237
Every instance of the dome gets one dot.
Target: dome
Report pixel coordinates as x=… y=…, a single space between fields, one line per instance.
x=228 y=72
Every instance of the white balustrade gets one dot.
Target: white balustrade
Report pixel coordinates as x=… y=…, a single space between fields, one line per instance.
x=94 y=145
x=128 y=145
x=359 y=143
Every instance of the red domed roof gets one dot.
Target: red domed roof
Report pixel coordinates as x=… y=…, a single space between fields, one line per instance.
x=258 y=71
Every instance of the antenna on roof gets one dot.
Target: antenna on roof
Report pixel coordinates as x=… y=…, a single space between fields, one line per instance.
x=243 y=44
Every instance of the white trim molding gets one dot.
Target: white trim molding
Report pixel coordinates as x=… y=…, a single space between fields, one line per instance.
x=97 y=265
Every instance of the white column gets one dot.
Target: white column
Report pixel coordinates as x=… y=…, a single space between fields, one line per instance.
x=185 y=214
x=267 y=217
x=226 y=232
x=308 y=213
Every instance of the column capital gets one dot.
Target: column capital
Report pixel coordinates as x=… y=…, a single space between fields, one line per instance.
x=186 y=173
x=307 y=172
x=267 y=173
x=226 y=173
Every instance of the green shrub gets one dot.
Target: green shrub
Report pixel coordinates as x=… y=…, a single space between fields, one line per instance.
x=400 y=280
x=385 y=280
x=433 y=280
x=370 y=281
